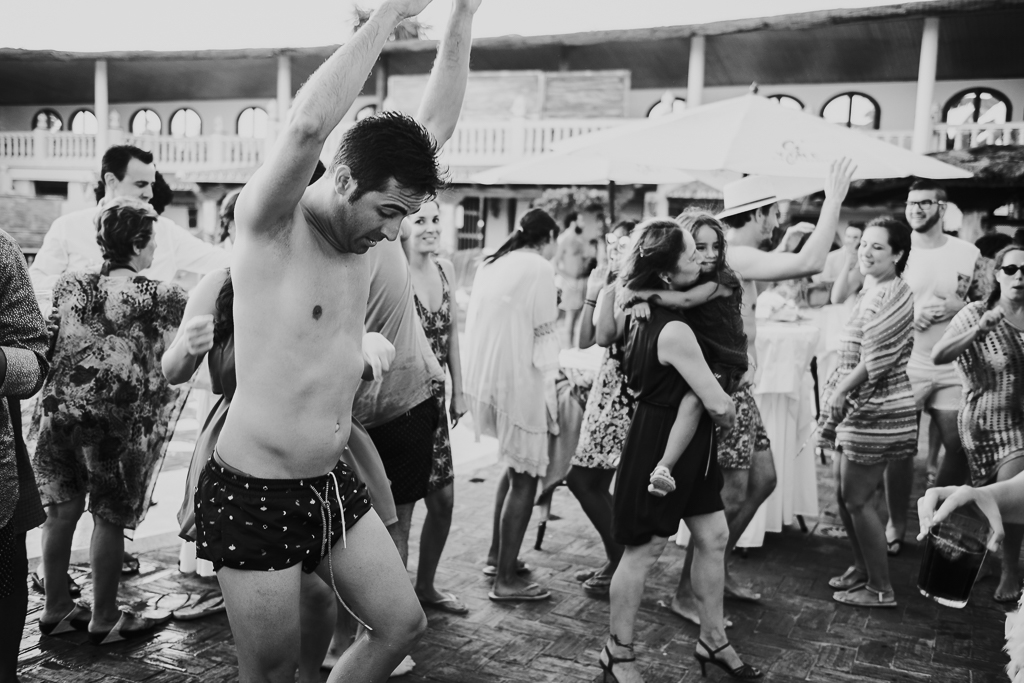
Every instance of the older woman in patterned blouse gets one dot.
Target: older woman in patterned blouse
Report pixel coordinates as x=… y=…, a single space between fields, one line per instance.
x=106 y=415
x=868 y=416
x=986 y=340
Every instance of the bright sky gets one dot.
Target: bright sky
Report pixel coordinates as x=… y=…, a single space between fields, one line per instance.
x=107 y=25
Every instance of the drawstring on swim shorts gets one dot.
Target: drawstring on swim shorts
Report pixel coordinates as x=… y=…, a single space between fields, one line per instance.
x=328 y=533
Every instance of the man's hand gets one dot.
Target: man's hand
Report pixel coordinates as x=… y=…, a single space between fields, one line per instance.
x=378 y=353
x=991 y=319
x=837 y=183
x=410 y=8
x=199 y=335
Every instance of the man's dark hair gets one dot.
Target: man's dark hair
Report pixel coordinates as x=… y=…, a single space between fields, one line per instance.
x=991 y=244
x=115 y=160
x=569 y=219
x=162 y=193
x=390 y=145
x=924 y=184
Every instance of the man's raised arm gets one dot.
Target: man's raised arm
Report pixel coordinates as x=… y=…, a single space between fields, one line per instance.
x=442 y=101
x=754 y=264
x=268 y=200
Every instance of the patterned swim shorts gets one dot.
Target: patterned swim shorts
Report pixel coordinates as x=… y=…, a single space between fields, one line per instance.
x=736 y=447
x=271 y=524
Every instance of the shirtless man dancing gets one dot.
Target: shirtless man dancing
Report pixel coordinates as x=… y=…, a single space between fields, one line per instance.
x=575 y=252
x=744 y=453
x=275 y=500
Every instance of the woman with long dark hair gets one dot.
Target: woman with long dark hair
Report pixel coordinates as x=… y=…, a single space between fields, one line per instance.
x=868 y=417
x=986 y=341
x=511 y=359
x=663 y=361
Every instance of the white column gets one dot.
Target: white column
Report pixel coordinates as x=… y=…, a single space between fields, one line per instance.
x=695 y=77
x=926 y=86
x=102 y=108
x=284 y=87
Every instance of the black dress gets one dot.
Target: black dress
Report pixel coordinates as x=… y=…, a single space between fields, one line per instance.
x=639 y=515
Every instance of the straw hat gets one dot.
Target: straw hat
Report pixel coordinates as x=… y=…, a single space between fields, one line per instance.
x=747 y=193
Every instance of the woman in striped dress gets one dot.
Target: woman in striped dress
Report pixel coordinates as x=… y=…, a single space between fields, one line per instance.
x=986 y=339
x=868 y=417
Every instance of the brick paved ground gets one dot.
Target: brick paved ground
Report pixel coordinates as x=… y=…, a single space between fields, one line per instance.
x=797 y=633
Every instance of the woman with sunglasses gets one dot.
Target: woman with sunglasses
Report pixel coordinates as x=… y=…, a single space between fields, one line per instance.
x=986 y=342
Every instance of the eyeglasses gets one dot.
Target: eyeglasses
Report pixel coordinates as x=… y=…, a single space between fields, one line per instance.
x=1011 y=269
x=614 y=240
x=925 y=204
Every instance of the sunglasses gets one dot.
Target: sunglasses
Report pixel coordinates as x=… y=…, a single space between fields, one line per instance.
x=614 y=240
x=1011 y=269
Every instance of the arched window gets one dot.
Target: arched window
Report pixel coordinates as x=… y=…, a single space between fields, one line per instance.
x=787 y=102
x=368 y=110
x=83 y=122
x=853 y=110
x=47 y=119
x=977 y=105
x=185 y=123
x=145 y=122
x=252 y=123
x=668 y=104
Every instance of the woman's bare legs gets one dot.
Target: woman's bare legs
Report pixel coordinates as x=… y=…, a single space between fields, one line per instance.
x=857 y=484
x=58 y=533
x=500 y=493
x=106 y=552
x=515 y=517
x=627 y=590
x=432 y=540
x=1009 y=579
x=592 y=488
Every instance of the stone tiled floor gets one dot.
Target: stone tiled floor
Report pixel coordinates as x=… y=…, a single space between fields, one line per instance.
x=796 y=633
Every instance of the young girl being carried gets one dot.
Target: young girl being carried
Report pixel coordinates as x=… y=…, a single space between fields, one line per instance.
x=713 y=304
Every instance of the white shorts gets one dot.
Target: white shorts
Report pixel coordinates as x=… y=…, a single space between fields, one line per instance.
x=935 y=387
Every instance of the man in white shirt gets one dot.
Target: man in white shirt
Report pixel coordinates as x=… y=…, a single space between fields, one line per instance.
x=944 y=272
x=70 y=243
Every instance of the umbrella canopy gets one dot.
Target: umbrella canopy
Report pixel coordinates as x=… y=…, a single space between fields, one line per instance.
x=579 y=169
x=752 y=135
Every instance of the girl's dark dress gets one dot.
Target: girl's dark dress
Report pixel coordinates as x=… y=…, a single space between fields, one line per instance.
x=638 y=515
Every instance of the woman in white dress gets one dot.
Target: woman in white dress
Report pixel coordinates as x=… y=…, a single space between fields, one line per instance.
x=511 y=360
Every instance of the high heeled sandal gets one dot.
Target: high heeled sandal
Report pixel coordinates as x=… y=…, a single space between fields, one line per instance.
x=744 y=672
x=606 y=667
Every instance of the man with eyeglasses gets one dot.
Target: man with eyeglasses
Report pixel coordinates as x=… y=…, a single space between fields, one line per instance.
x=944 y=272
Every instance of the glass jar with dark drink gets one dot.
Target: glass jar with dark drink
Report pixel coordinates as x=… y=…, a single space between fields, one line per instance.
x=953 y=555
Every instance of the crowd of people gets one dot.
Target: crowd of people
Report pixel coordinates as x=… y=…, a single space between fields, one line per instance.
x=330 y=335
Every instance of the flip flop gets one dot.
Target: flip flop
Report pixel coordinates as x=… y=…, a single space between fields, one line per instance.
x=521 y=568
x=846 y=582
x=449 y=603
x=597 y=586
x=209 y=603
x=129 y=565
x=404 y=667
x=894 y=548
x=74 y=590
x=583 y=575
x=121 y=631
x=524 y=596
x=75 y=620
x=862 y=596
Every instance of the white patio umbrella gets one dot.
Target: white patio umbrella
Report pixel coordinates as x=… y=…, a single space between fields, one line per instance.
x=557 y=168
x=752 y=135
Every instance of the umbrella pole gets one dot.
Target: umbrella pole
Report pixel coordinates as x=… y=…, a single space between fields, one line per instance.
x=611 y=201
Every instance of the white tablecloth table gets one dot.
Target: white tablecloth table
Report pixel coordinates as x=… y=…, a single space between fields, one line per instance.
x=784 y=391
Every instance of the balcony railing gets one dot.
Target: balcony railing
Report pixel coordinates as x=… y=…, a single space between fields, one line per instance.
x=474 y=145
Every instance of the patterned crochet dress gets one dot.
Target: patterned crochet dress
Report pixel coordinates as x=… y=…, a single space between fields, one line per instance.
x=437 y=326
x=991 y=420
x=880 y=422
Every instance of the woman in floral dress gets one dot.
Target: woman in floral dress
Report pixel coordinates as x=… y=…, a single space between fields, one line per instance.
x=106 y=414
x=431 y=278
x=986 y=341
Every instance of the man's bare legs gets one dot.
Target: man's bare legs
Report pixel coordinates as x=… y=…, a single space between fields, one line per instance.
x=318 y=612
x=744 y=492
x=515 y=517
x=592 y=488
x=372 y=581
x=401 y=529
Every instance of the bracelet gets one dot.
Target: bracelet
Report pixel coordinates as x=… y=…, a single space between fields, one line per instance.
x=590 y=302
